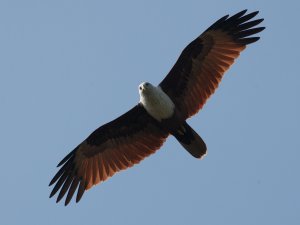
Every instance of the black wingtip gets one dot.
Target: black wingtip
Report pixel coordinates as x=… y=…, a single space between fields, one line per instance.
x=240 y=27
x=253 y=14
x=247 y=41
x=54 y=179
x=57 y=200
x=239 y=14
x=65 y=179
x=67 y=157
x=80 y=191
x=72 y=190
x=249 y=32
x=67 y=201
x=247 y=17
x=52 y=194
x=236 y=23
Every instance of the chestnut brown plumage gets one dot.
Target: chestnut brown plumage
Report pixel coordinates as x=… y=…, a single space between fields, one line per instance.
x=202 y=64
x=113 y=147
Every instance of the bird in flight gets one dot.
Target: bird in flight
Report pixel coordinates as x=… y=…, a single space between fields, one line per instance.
x=161 y=111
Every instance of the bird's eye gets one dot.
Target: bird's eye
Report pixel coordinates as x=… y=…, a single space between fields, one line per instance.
x=140 y=88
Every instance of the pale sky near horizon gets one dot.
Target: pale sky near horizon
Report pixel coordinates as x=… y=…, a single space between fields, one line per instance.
x=68 y=67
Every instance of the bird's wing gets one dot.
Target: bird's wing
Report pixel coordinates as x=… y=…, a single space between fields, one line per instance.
x=201 y=65
x=114 y=146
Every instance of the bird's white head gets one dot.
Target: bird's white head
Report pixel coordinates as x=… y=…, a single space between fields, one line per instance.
x=145 y=88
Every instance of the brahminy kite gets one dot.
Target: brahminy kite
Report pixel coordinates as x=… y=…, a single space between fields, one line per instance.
x=161 y=111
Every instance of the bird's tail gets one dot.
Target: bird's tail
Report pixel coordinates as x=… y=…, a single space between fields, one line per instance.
x=190 y=140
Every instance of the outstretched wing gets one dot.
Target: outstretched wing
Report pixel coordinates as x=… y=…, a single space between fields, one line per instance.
x=113 y=147
x=200 y=67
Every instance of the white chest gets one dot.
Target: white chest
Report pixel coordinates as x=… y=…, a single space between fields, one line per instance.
x=157 y=103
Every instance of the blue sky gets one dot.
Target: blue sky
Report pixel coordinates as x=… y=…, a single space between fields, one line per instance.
x=69 y=66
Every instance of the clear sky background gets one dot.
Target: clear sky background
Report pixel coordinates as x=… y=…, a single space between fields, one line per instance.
x=67 y=67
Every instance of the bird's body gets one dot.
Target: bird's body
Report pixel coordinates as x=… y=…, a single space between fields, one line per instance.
x=156 y=102
x=159 y=105
x=162 y=110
